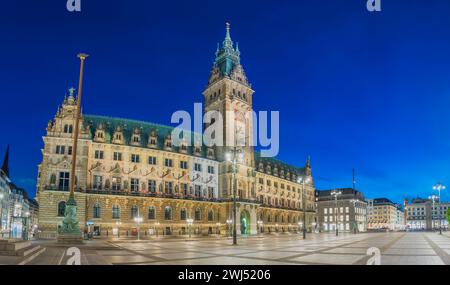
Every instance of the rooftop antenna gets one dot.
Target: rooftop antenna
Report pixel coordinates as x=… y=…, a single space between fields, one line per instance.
x=354 y=180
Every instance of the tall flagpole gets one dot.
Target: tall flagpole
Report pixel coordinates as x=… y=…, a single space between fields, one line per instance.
x=82 y=57
x=70 y=230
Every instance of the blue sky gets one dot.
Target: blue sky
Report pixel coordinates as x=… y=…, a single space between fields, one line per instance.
x=354 y=89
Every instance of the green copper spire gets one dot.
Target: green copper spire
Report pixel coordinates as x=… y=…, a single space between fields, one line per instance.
x=226 y=56
x=228 y=43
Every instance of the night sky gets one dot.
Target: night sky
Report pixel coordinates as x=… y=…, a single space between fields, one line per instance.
x=354 y=89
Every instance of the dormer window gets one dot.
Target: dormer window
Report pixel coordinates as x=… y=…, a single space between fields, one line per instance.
x=210 y=153
x=152 y=140
x=197 y=150
x=118 y=136
x=168 y=143
x=136 y=137
x=261 y=167
x=183 y=147
x=99 y=136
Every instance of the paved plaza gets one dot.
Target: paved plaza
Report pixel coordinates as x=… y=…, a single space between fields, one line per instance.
x=412 y=248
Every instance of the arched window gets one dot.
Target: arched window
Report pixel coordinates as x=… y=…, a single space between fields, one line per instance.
x=97 y=211
x=134 y=211
x=151 y=213
x=116 y=212
x=168 y=213
x=198 y=214
x=61 y=208
x=210 y=215
x=183 y=215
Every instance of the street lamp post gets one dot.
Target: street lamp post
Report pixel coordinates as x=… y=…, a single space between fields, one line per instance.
x=433 y=199
x=70 y=225
x=156 y=228
x=260 y=224
x=190 y=221
x=439 y=187
x=138 y=221
x=235 y=156
x=336 y=193
x=303 y=180
x=118 y=223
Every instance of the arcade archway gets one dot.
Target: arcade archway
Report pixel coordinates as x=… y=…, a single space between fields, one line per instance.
x=245 y=222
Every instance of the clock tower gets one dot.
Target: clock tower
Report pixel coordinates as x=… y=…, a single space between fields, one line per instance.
x=229 y=92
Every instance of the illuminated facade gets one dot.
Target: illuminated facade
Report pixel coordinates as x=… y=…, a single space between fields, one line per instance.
x=382 y=213
x=129 y=168
x=348 y=213
x=423 y=214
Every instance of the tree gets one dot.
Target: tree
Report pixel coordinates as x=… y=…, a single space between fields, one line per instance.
x=447 y=215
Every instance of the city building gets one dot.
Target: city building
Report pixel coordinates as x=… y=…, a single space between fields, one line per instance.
x=384 y=214
x=4 y=197
x=128 y=169
x=17 y=209
x=425 y=214
x=400 y=223
x=349 y=210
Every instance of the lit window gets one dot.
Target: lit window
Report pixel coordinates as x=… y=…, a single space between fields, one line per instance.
x=168 y=213
x=97 y=211
x=152 y=186
x=97 y=183
x=116 y=183
x=134 y=185
x=116 y=212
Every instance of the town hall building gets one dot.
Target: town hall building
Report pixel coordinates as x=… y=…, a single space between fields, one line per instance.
x=127 y=169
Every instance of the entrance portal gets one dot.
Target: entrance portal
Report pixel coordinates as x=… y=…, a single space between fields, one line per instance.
x=245 y=223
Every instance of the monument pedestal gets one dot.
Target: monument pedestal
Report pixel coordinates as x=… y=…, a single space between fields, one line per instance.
x=70 y=230
x=70 y=238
